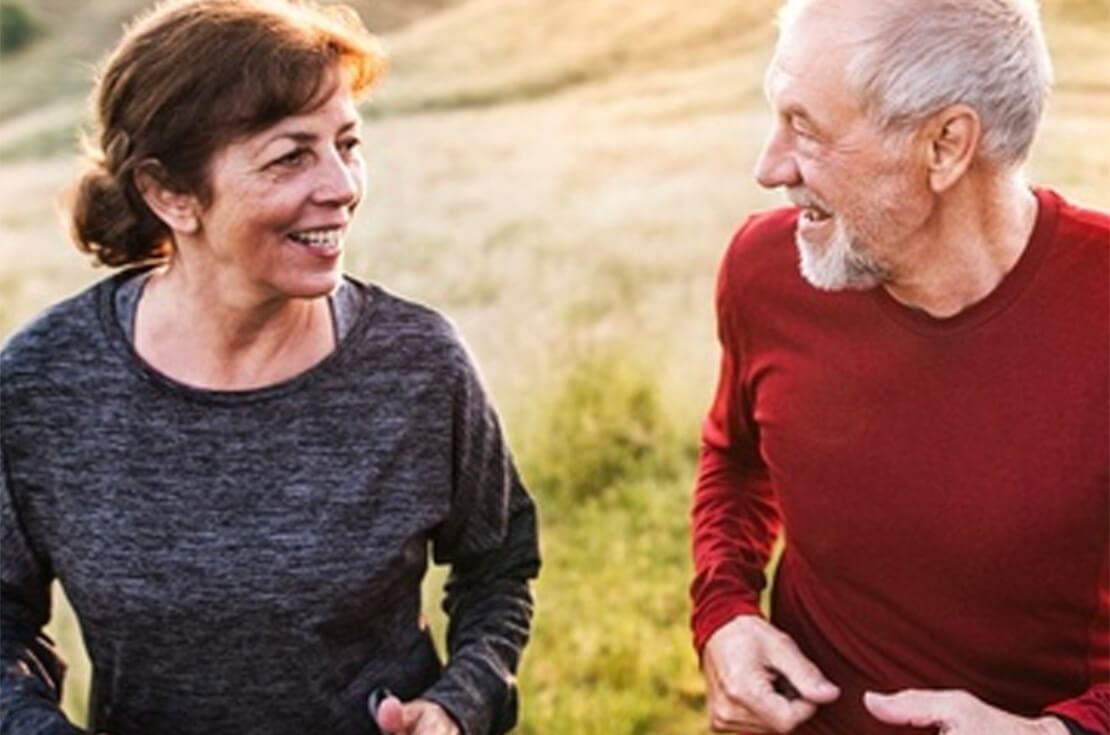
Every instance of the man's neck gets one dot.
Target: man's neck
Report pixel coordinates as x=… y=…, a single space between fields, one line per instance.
x=977 y=233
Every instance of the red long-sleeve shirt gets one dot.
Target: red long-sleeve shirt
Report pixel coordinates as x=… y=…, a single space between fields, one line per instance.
x=942 y=483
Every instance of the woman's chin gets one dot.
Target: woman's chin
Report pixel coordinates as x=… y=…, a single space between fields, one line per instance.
x=316 y=286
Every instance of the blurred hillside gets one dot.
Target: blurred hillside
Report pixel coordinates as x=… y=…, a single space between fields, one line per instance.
x=458 y=53
x=559 y=177
x=608 y=141
x=72 y=36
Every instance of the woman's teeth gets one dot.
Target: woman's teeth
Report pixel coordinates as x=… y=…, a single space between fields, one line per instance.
x=318 y=239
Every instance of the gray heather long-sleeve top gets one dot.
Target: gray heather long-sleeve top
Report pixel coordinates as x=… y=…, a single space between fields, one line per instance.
x=250 y=561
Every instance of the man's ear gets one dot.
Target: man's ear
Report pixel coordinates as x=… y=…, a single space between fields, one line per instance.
x=952 y=136
x=180 y=211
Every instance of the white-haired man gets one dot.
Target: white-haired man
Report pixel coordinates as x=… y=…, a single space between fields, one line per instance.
x=922 y=410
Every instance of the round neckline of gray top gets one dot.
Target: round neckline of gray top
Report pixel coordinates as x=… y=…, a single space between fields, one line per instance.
x=348 y=304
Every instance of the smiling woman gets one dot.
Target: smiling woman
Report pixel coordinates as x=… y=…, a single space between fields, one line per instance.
x=270 y=236
x=234 y=458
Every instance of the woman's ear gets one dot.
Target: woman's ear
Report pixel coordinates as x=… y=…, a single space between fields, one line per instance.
x=953 y=136
x=180 y=211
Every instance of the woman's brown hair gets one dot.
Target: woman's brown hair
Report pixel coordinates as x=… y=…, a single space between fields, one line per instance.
x=187 y=79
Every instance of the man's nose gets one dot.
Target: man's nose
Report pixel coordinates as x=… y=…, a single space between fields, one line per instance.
x=776 y=165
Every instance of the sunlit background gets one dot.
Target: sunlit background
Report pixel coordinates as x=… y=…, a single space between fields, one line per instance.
x=559 y=177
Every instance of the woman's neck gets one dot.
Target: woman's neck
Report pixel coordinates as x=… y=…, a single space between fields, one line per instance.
x=209 y=335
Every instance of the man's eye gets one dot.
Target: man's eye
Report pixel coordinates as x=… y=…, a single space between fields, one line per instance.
x=801 y=129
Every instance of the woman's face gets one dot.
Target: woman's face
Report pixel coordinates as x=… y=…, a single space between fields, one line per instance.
x=281 y=203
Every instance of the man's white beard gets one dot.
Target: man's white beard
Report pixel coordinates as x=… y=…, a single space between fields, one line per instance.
x=838 y=265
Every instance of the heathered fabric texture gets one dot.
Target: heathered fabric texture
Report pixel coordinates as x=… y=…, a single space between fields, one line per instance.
x=250 y=561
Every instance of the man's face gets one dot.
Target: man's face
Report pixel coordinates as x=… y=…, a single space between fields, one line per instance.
x=861 y=192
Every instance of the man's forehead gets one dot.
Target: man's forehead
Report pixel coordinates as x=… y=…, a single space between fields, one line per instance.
x=826 y=24
x=805 y=88
x=808 y=52
x=807 y=77
x=823 y=10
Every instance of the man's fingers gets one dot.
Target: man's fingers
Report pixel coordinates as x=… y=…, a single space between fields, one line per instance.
x=801 y=674
x=912 y=707
x=725 y=716
x=777 y=712
x=391 y=716
x=744 y=662
x=747 y=727
x=795 y=713
x=779 y=715
x=750 y=705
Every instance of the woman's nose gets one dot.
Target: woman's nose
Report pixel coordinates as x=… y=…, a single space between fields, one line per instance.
x=340 y=181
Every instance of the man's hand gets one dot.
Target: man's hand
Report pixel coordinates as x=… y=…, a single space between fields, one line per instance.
x=418 y=717
x=955 y=713
x=758 y=681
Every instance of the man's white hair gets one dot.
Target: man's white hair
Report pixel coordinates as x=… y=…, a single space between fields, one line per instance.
x=918 y=56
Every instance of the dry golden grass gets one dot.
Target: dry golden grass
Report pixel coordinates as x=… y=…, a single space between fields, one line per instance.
x=490 y=51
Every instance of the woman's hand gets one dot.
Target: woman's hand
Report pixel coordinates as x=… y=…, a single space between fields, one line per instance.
x=954 y=713
x=418 y=717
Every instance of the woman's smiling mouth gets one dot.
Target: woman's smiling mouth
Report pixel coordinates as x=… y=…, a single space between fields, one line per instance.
x=321 y=240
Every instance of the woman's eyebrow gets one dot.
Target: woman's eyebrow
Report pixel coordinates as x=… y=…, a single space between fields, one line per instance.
x=304 y=136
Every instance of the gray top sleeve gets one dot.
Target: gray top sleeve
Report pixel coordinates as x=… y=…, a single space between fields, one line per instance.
x=31 y=678
x=492 y=557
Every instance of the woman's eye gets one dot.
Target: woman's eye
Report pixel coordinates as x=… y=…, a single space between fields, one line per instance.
x=350 y=145
x=292 y=159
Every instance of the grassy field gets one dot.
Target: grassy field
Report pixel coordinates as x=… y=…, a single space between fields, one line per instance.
x=559 y=177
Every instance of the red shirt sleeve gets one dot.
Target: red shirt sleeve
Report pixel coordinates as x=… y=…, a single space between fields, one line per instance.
x=735 y=514
x=1091 y=709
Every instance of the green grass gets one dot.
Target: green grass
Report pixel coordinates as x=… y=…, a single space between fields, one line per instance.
x=611 y=469
x=611 y=653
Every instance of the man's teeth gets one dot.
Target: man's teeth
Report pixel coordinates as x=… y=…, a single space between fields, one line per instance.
x=324 y=239
x=814 y=215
